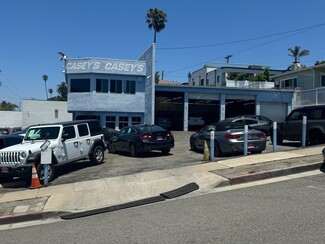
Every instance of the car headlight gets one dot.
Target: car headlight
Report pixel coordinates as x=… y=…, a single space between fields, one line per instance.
x=23 y=155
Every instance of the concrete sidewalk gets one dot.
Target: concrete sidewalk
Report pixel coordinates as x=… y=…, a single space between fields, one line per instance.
x=75 y=197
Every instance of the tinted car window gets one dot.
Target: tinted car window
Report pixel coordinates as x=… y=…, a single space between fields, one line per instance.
x=94 y=128
x=13 y=141
x=83 y=130
x=68 y=132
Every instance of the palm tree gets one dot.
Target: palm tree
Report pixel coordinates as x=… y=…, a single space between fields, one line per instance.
x=156 y=20
x=62 y=90
x=51 y=91
x=296 y=53
x=45 y=78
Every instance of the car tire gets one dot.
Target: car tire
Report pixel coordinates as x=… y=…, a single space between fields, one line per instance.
x=314 y=137
x=217 y=150
x=50 y=172
x=192 y=145
x=97 y=155
x=165 y=151
x=132 y=150
x=110 y=147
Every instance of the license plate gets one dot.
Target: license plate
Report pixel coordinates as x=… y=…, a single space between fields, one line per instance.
x=159 y=138
x=250 y=146
x=4 y=170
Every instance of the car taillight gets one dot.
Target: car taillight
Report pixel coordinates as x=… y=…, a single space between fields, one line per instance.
x=145 y=136
x=169 y=134
x=229 y=136
x=262 y=135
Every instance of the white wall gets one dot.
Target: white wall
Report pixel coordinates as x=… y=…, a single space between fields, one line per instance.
x=275 y=111
x=11 y=119
x=39 y=112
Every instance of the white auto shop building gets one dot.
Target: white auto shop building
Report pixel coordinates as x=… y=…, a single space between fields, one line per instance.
x=123 y=92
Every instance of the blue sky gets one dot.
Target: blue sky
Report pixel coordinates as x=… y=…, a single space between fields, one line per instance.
x=253 y=31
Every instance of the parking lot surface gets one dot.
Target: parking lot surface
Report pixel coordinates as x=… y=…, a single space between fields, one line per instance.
x=123 y=164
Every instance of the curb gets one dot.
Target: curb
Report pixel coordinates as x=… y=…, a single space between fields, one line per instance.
x=273 y=173
x=30 y=216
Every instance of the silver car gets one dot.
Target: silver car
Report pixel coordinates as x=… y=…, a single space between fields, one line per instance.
x=229 y=138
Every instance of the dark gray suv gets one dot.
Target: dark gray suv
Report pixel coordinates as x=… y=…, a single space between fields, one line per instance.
x=291 y=128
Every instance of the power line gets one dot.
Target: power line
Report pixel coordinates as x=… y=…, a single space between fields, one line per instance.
x=243 y=40
x=302 y=30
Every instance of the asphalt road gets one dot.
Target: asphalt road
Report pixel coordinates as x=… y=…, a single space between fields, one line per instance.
x=119 y=164
x=285 y=212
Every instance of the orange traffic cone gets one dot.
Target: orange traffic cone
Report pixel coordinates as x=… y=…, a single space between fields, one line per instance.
x=35 y=180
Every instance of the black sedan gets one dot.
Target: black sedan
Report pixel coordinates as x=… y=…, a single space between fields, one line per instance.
x=108 y=134
x=9 y=140
x=229 y=137
x=138 y=139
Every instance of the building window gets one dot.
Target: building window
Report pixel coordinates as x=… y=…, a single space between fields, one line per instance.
x=80 y=85
x=202 y=82
x=123 y=121
x=136 y=120
x=110 y=122
x=129 y=86
x=322 y=80
x=116 y=86
x=289 y=83
x=218 y=79
x=56 y=113
x=101 y=85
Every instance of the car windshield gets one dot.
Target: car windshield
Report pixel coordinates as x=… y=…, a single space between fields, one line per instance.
x=42 y=133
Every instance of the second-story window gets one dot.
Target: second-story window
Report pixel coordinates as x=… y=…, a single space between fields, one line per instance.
x=116 y=86
x=101 y=85
x=80 y=85
x=129 y=86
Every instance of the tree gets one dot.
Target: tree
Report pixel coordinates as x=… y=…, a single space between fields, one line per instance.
x=45 y=78
x=62 y=90
x=7 y=106
x=157 y=77
x=296 y=53
x=51 y=91
x=156 y=20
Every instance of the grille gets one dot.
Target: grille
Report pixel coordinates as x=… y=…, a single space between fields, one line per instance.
x=10 y=158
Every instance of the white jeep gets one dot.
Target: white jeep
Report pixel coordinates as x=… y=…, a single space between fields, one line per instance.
x=68 y=141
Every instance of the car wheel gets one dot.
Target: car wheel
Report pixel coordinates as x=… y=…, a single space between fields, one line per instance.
x=97 y=156
x=217 y=150
x=132 y=150
x=165 y=151
x=192 y=145
x=110 y=147
x=315 y=137
x=41 y=172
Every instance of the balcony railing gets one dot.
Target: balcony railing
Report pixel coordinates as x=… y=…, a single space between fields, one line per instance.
x=309 y=97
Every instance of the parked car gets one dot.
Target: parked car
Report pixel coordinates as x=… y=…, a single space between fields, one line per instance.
x=69 y=141
x=9 y=140
x=291 y=128
x=137 y=139
x=258 y=122
x=5 y=131
x=228 y=138
x=108 y=134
